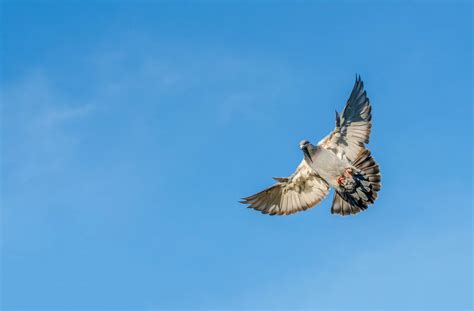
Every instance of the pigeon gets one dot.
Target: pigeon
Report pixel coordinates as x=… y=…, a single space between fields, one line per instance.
x=340 y=161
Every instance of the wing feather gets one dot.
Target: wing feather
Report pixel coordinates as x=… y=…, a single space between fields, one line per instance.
x=302 y=190
x=353 y=127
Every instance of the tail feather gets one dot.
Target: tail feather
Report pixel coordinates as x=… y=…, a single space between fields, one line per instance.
x=343 y=207
x=363 y=190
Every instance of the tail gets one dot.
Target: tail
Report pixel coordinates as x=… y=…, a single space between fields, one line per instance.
x=363 y=189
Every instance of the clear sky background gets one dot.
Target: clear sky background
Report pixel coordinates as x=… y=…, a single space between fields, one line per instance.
x=131 y=129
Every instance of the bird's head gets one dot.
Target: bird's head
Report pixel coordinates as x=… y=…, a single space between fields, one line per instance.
x=304 y=144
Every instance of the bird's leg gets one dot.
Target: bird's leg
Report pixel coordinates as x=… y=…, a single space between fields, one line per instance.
x=347 y=174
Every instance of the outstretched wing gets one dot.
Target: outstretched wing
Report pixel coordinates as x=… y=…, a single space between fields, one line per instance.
x=302 y=190
x=353 y=127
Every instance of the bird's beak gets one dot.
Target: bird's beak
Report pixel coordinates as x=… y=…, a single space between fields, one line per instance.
x=306 y=152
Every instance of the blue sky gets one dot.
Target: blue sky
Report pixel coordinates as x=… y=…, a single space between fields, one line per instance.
x=131 y=129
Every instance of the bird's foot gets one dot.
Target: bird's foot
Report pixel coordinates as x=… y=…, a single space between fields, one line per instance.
x=348 y=172
x=341 y=180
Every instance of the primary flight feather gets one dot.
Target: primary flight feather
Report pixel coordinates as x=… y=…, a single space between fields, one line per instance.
x=340 y=160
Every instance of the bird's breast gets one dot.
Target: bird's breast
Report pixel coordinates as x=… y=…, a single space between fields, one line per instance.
x=327 y=165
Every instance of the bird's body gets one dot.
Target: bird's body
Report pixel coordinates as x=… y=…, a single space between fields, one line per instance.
x=326 y=164
x=340 y=161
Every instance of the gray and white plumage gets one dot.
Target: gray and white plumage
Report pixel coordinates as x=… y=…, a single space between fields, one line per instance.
x=340 y=161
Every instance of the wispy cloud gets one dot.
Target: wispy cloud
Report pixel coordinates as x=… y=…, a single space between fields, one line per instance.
x=35 y=114
x=38 y=110
x=58 y=115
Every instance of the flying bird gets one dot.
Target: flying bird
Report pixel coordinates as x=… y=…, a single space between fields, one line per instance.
x=340 y=160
